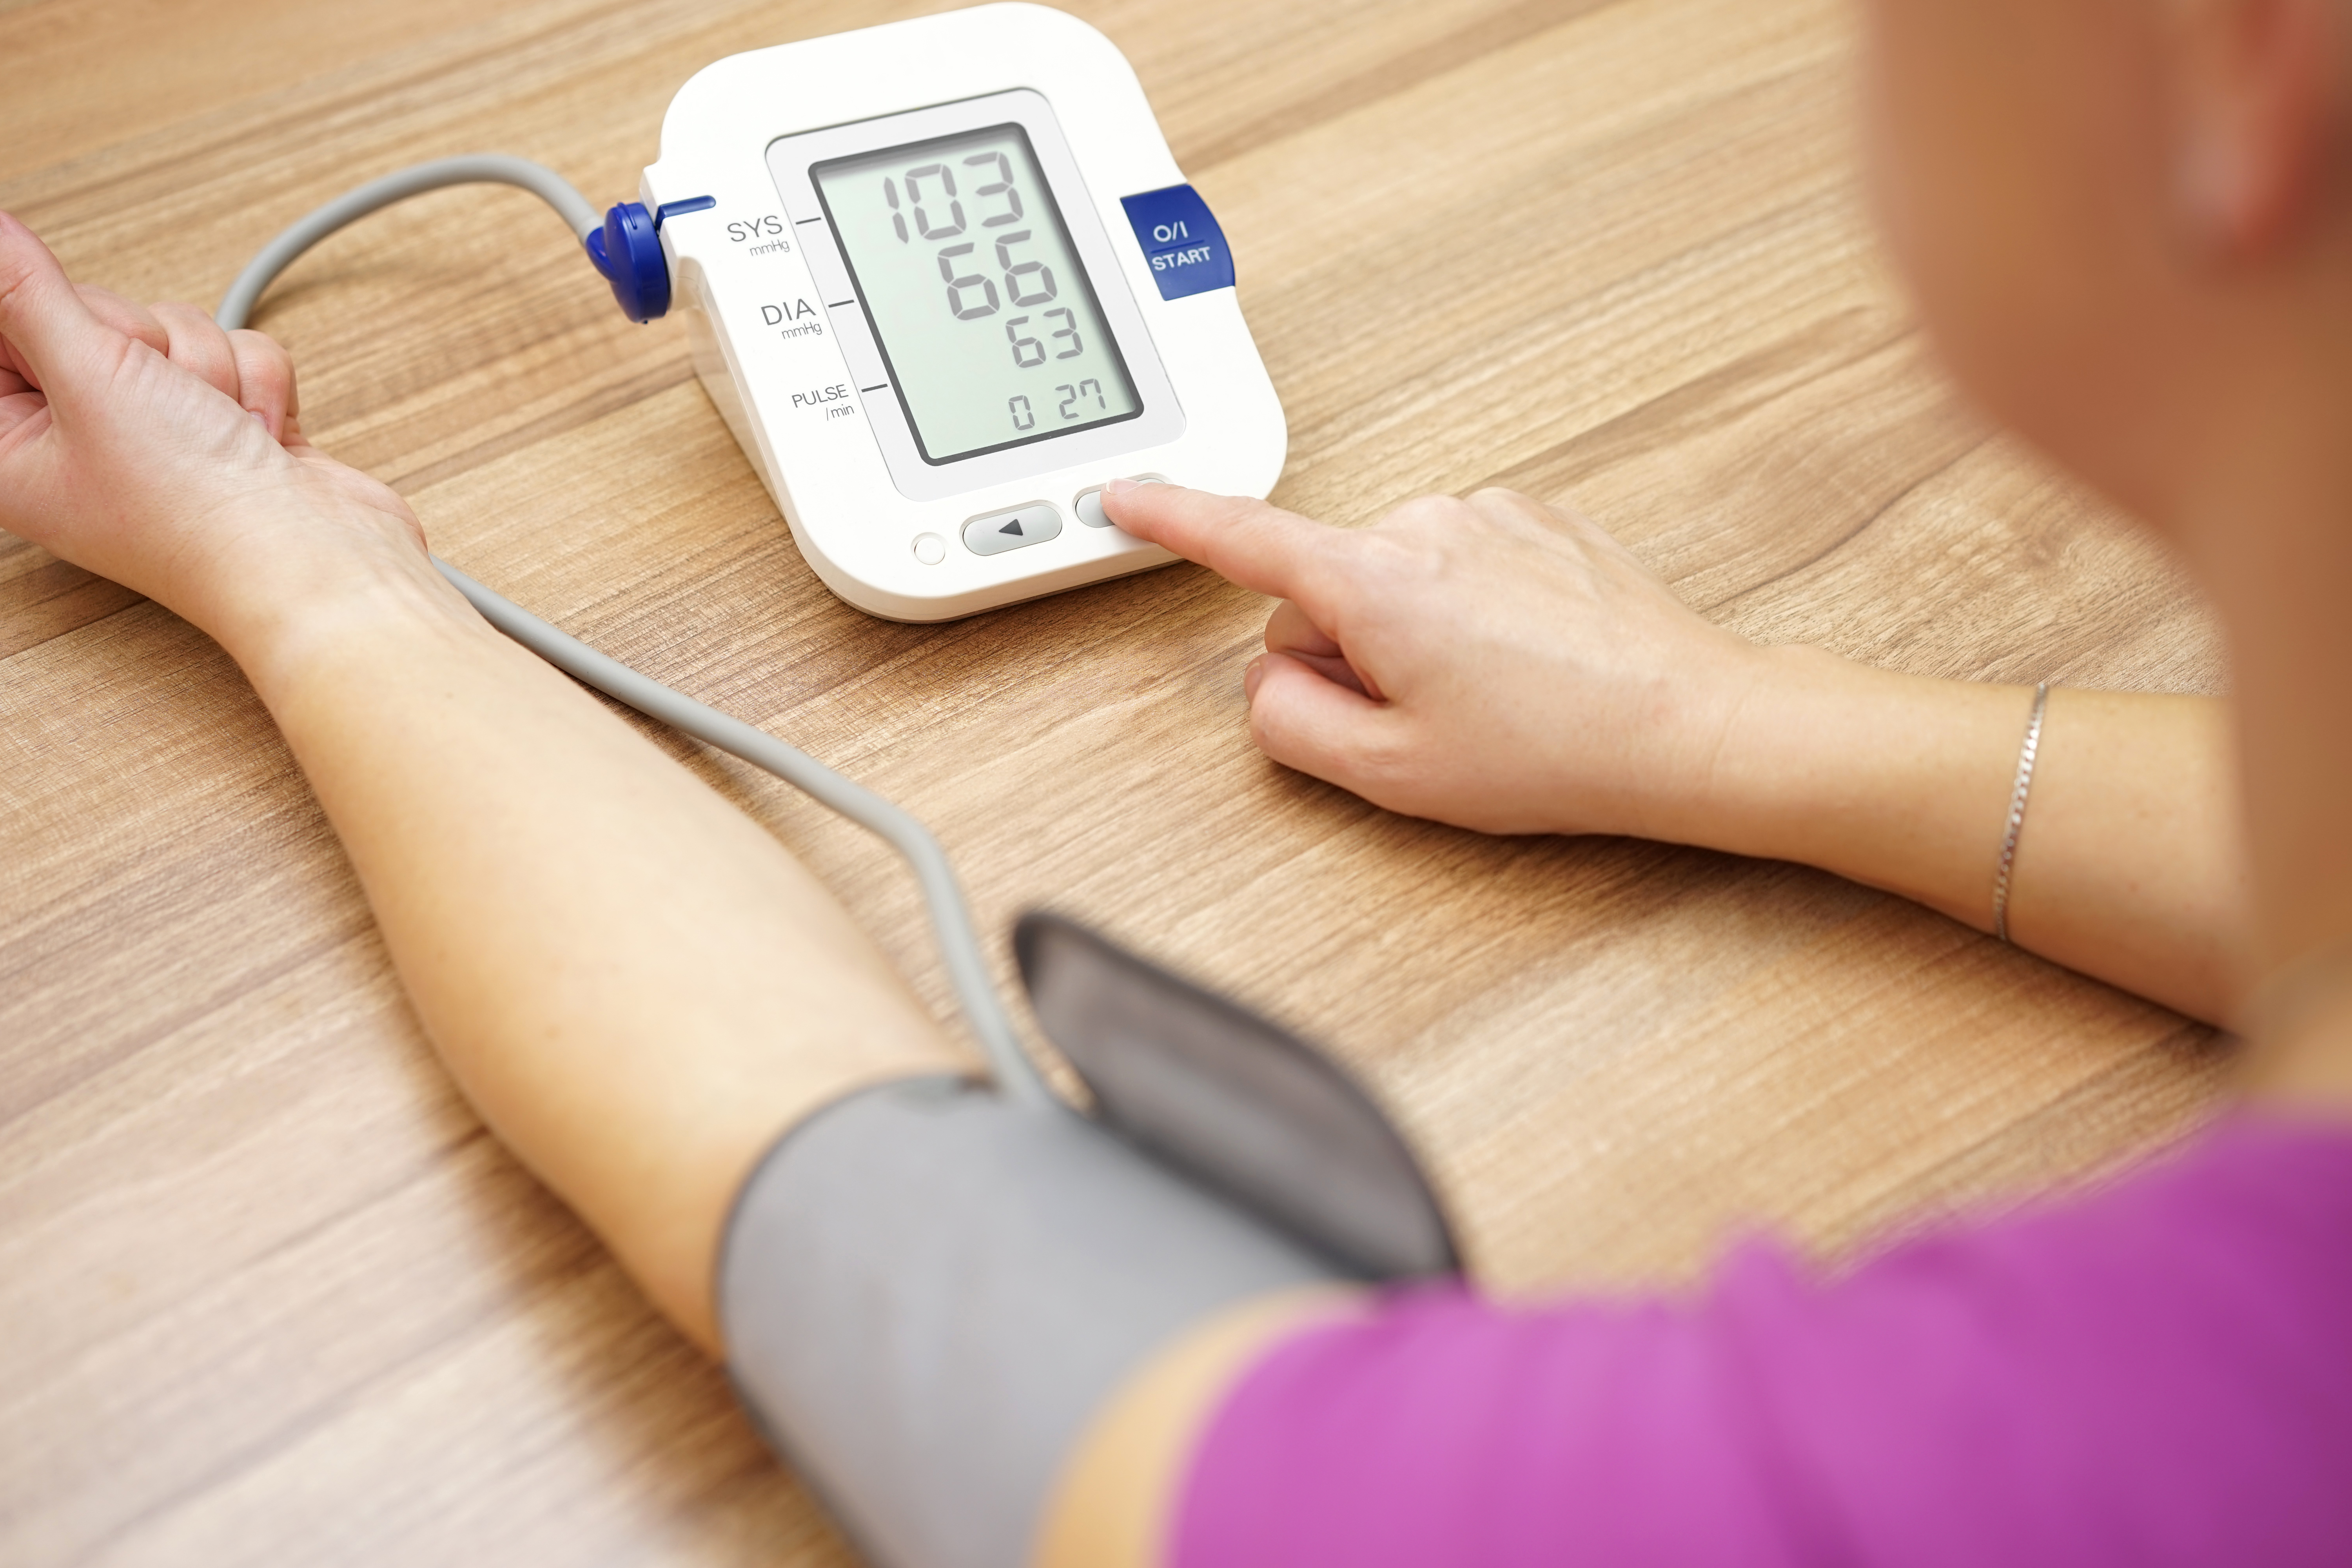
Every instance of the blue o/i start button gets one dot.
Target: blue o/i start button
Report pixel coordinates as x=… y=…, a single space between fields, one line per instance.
x=1182 y=241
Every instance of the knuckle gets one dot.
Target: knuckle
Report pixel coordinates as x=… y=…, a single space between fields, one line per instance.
x=1400 y=560
x=262 y=349
x=1426 y=512
x=1496 y=507
x=1503 y=495
x=1272 y=733
x=1356 y=755
x=19 y=274
x=1377 y=757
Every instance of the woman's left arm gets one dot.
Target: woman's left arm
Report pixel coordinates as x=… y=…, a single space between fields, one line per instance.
x=637 y=987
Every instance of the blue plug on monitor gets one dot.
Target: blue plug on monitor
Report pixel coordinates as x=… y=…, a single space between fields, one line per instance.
x=627 y=251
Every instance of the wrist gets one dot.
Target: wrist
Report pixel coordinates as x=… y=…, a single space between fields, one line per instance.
x=1746 y=737
x=1894 y=780
x=281 y=618
x=1792 y=754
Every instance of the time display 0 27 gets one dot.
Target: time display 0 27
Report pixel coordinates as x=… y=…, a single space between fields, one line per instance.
x=981 y=306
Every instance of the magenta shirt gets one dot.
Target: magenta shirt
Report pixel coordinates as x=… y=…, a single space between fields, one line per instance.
x=2158 y=1374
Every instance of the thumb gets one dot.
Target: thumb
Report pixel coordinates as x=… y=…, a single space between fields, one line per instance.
x=48 y=329
x=1303 y=720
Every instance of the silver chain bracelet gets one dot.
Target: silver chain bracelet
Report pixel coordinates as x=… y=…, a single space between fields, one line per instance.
x=2017 y=810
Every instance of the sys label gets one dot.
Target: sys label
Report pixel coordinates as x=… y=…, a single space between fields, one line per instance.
x=766 y=234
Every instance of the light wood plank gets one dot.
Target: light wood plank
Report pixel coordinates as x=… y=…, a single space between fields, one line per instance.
x=269 y=1293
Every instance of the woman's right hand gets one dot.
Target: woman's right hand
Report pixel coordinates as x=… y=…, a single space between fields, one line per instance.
x=1505 y=666
x=1490 y=662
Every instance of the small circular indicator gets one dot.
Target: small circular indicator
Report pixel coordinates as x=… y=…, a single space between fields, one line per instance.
x=930 y=549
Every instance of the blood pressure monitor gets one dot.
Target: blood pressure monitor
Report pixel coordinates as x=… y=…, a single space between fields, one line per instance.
x=943 y=280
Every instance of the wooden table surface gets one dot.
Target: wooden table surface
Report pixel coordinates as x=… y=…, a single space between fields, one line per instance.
x=267 y=1292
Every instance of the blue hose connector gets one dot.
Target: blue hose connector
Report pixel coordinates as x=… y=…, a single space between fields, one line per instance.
x=627 y=251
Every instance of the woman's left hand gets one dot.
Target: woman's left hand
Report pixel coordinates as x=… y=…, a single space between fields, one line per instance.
x=149 y=446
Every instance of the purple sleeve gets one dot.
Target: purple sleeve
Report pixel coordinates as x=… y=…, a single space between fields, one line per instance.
x=2159 y=1374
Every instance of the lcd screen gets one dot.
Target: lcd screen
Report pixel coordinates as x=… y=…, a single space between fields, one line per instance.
x=982 y=311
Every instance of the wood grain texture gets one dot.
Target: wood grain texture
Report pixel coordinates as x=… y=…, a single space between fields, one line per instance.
x=267 y=1292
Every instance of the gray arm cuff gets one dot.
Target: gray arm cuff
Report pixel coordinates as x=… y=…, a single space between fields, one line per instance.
x=927 y=1291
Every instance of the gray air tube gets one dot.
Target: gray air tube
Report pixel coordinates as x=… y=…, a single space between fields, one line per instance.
x=928 y=1289
x=950 y=921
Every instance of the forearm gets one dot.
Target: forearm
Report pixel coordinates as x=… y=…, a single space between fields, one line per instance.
x=635 y=985
x=2129 y=866
x=1508 y=667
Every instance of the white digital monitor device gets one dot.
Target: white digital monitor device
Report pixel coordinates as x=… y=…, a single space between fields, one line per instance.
x=949 y=282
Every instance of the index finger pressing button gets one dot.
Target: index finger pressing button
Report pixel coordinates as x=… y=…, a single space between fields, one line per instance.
x=1089 y=504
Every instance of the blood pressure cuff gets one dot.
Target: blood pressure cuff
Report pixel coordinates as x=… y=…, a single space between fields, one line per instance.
x=927 y=1291
x=928 y=1288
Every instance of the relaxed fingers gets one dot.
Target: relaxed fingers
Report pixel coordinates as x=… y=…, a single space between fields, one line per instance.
x=1339 y=672
x=265 y=376
x=199 y=346
x=1304 y=721
x=1292 y=632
